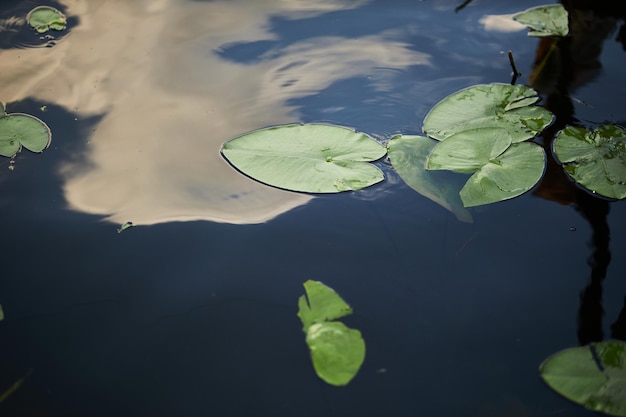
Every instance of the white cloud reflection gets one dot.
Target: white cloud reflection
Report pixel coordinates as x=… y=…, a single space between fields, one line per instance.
x=169 y=101
x=501 y=23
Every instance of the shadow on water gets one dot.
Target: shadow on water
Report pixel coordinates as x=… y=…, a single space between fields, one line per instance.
x=563 y=65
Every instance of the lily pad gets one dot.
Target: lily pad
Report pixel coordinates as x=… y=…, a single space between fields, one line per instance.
x=315 y=158
x=595 y=159
x=17 y=130
x=407 y=155
x=337 y=351
x=544 y=21
x=44 y=18
x=504 y=106
x=514 y=172
x=593 y=376
x=320 y=304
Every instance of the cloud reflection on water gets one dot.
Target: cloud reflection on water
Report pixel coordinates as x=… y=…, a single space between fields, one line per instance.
x=170 y=100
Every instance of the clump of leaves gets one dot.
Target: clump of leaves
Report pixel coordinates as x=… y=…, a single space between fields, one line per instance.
x=593 y=376
x=337 y=351
x=44 y=18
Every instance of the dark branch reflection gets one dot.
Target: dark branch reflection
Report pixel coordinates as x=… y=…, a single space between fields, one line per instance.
x=562 y=65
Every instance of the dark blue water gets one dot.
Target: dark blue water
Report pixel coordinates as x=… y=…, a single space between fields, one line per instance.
x=198 y=318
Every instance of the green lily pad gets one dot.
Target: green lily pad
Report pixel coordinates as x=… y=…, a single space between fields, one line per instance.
x=503 y=106
x=407 y=155
x=594 y=159
x=544 y=21
x=593 y=376
x=320 y=304
x=514 y=172
x=337 y=351
x=17 y=130
x=469 y=150
x=44 y=18
x=315 y=158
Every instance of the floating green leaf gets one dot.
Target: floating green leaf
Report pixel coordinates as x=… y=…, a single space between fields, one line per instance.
x=593 y=376
x=320 y=304
x=17 y=130
x=408 y=157
x=314 y=158
x=595 y=159
x=44 y=18
x=509 y=175
x=502 y=170
x=503 y=106
x=124 y=227
x=543 y=21
x=337 y=351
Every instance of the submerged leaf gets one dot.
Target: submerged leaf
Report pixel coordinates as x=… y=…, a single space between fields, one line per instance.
x=314 y=158
x=509 y=175
x=320 y=303
x=408 y=157
x=503 y=106
x=337 y=351
x=44 y=18
x=17 y=130
x=543 y=21
x=595 y=159
x=593 y=376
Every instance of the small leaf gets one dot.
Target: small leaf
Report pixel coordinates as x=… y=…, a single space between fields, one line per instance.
x=544 y=21
x=595 y=159
x=124 y=227
x=337 y=351
x=593 y=376
x=17 y=130
x=503 y=106
x=313 y=158
x=509 y=175
x=320 y=304
x=408 y=157
x=1 y=313
x=43 y=18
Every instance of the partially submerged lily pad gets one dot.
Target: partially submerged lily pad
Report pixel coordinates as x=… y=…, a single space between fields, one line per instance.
x=315 y=158
x=407 y=154
x=18 y=129
x=337 y=351
x=593 y=376
x=44 y=18
x=544 y=21
x=504 y=106
x=595 y=159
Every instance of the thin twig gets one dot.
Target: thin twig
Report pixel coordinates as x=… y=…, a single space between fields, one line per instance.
x=462 y=6
x=516 y=73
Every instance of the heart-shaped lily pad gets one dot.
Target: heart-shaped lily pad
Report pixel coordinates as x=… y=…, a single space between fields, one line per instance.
x=543 y=21
x=18 y=129
x=44 y=18
x=315 y=158
x=595 y=159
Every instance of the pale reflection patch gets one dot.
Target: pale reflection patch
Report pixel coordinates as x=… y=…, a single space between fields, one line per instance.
x=169 y=100
x=501 y=23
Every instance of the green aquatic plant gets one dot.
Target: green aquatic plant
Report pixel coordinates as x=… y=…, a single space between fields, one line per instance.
x=124 y=226
x=593 y=376
x=19 y=130
x=337 y=351
x=551 y=20
x=314 y=158
x=44 y=18
x=596 y=159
